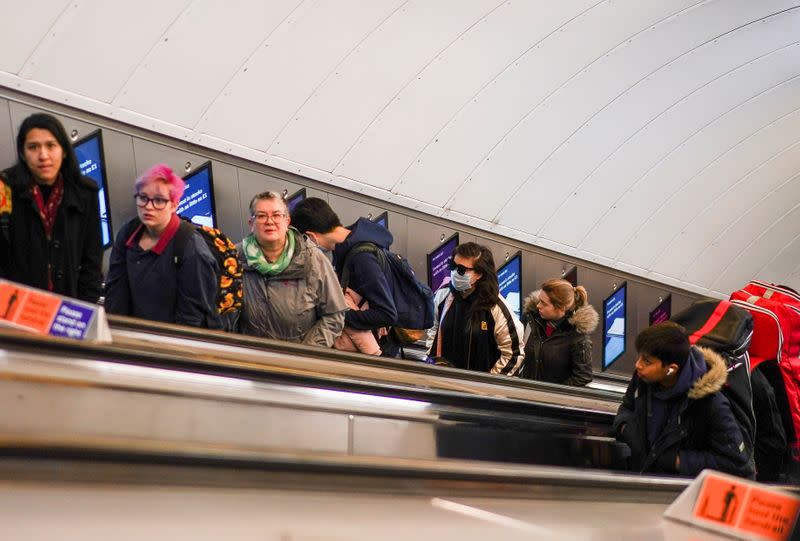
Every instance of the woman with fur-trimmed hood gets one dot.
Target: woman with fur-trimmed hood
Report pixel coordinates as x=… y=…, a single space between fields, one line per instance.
x=558 y=321
x=674 y=416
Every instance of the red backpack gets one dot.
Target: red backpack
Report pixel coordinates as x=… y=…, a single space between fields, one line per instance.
x=775 y=348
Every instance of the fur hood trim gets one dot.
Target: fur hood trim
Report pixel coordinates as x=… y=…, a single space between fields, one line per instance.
x=713 y=380
x=584 y=319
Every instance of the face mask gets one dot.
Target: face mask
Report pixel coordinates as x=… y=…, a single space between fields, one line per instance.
x=461 y=282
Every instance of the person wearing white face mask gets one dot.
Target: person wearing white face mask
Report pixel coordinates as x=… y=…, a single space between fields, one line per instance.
x=474 y=328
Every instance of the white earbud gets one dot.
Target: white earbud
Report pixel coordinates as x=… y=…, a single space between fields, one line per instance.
x=670 y=371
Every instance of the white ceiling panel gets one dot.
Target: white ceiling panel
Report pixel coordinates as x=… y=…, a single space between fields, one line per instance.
x=726 y=207
x=280 y=77
x=615 y=125
x=617 y=192
x=659 y=137
x=471 y=135
x=694 y=177
x=18 y=41
x=739 y=269
x=785 y=264
x=92 y=50
x=189 y=66
x=322 y=131
x=597 y=88
x=750 y=231
x=542 y=123
x=453 y=78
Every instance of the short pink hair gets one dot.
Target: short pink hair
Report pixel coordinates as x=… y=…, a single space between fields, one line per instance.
x=162 y=172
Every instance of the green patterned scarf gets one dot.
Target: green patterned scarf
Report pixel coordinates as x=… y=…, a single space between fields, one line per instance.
x=257 y=260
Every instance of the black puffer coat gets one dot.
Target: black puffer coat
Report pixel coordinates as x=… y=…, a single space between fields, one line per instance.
x=565 y=356
x=74 y=251
x=699 y=427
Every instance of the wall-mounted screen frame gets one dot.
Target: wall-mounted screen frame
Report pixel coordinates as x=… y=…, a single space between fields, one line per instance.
x=509 y=277
x=293 y=200
x=382 y=219
x=197 y=203
x=91 y=160
x=438 y=267
x=571 y=276
x=615 y=325
x=662 y=312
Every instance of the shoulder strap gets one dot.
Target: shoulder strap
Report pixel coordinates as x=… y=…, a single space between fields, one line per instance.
x=182 y=236
x=360 y=248
x=5 y=208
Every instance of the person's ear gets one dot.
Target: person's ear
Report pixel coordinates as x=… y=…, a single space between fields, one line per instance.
x=672 y=369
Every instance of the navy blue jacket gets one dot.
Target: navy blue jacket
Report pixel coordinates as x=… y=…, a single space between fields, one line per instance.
x=367 y=277
x=148 y=284
x=696 y=424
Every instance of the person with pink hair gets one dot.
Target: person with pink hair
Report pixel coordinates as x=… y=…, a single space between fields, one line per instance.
x=161 y=268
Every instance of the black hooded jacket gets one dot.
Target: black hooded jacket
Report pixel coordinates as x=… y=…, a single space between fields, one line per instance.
x=74 y=252
x=696 y=423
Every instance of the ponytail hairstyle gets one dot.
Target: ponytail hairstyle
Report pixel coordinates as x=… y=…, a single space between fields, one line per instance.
x=487 y=289
x=565 y=297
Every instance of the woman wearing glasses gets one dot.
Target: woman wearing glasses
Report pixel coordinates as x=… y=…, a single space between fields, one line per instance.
x=474 y=328
x=147 y=277
x=290 y=289
x=558 y=322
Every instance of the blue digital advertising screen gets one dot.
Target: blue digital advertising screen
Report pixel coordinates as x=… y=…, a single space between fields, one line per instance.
x=662 y=312
x=509 y=276
x=614 y=326
x=295 y=198
x=197 y=203
x=438 y=263
x=91 y=161
x=382 y=220
x=571 y=276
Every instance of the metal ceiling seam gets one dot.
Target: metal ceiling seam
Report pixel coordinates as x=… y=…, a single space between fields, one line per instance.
x=505 y=136
x=695 y=134
x=648 y=123
x=69 y=5
x=489 y=83
x=613 y=100
x=334 y=70
x=744 y=249
x=618 y=199
x=121 y=90
x=711 y=204
x=786 y=246
x=202 y=116
x=407 y=83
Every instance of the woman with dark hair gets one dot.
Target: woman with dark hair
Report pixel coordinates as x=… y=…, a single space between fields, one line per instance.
x=558 y=321
x=161 y=268
x=474 y=328
x=50 y=231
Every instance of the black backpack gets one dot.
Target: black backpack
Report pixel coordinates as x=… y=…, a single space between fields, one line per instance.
x=229 y=272
x=413 y=299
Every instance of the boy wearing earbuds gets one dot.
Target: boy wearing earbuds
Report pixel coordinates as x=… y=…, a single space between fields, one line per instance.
x=673 y=416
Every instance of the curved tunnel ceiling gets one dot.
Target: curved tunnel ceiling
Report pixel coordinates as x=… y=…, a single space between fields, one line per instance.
x=661 y=138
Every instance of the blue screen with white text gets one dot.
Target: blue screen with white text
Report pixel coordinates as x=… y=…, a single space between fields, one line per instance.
x=90 y=161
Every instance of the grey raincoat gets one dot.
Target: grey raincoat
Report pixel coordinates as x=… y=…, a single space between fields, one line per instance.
x=304 y=303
